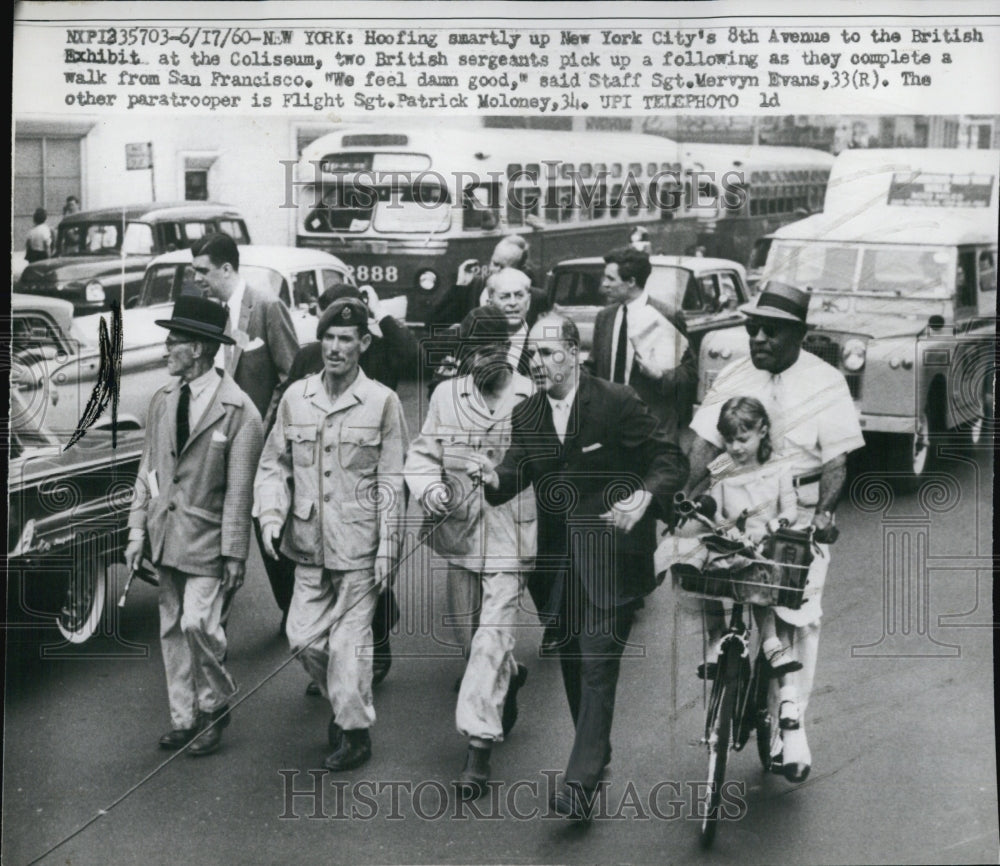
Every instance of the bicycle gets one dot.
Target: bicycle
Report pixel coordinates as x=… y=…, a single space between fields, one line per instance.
x=771 y=573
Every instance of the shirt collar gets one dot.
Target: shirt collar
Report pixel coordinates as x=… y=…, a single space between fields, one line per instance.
x=566 y=401
x=198 y=386
x=639 y=300
x=236 y=300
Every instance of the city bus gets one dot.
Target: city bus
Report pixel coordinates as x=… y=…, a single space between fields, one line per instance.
x=411 y=209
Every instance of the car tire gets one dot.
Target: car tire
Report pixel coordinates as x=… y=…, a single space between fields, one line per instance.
x=86 y=598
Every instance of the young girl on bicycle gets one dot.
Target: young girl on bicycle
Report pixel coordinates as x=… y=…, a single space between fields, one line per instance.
x=752 y=490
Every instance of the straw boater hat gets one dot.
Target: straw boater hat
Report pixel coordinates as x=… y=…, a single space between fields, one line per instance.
x=779 y=301
x=194 y=316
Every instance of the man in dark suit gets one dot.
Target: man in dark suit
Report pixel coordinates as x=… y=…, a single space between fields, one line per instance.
x=392 y=352
x=669 y=393
x=596 y=458
x=265 y=345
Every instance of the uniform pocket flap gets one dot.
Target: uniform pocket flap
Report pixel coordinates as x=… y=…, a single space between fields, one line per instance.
x=360 y=436
x=303 y=508
x=300 y=432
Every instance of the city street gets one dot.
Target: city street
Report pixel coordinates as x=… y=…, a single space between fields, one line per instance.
x=901 y=727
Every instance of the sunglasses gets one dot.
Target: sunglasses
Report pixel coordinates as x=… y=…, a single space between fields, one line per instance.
x=770 y=329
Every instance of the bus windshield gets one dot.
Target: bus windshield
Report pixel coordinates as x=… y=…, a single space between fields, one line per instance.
x=349 y=208
x=888 y=269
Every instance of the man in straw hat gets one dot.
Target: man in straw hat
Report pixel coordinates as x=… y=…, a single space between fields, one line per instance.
x=814 y=425
x=192 y=503
x=330 y=489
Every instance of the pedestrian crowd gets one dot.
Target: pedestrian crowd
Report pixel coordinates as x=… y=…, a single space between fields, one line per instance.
x=532 y=468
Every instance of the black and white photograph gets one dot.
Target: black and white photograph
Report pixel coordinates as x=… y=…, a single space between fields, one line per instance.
x=501 y=433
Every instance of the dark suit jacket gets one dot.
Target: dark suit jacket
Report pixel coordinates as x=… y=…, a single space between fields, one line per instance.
x=613 y=445
x=264 y=363
x=670 y=399
x=387 y=359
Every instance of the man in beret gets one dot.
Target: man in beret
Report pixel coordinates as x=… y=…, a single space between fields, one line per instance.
x=192 y=503
x=392 y=352
x=814 y=425
x=330 y=489
x=486 y=548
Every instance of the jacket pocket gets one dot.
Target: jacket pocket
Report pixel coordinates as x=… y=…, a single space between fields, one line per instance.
x=302 y=526
x=302 y=438
x=360 y=449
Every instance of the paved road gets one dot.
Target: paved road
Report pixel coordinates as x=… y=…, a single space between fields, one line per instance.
x=902 y=730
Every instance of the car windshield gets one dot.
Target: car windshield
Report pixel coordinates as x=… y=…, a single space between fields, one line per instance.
x=89 y=239
x=889 y=269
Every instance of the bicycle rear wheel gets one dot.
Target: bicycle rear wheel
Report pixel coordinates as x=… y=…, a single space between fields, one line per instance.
x=718 y=730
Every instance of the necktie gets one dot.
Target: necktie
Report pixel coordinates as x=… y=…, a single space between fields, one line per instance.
x=619 y=371
x=183 y=422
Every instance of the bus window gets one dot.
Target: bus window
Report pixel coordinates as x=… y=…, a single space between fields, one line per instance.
x=616 y=169
x=522 y=201
x=479 y=208
x=342 y=208
x=600 y=208
x=420 y=208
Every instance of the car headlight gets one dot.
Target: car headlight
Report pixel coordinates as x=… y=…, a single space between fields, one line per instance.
x=427 y=280
x=852 y=355
x=94 y=292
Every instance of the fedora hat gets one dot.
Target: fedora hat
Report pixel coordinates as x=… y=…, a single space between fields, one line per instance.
x=779 y=301
x=198 y=317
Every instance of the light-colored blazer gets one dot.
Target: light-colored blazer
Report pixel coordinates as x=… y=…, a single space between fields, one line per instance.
x=265 y=349
x=195 y=507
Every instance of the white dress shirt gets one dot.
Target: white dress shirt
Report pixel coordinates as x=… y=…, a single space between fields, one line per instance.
x=517 y=341
x=632 y=306
x=560 y=413
x=202 y=391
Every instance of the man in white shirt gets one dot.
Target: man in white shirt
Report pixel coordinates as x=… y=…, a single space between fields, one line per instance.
x=814 y=425
x=668 y=389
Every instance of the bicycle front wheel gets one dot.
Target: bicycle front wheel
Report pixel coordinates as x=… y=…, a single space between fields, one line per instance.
x=719 y=729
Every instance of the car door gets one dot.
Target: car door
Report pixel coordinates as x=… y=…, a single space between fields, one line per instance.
x=577 y=294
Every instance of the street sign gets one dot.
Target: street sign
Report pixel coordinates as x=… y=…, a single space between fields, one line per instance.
x=139 y=155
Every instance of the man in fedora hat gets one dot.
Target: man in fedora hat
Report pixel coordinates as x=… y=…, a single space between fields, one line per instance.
x=193 y=496
x=814 y=425
x=329 y=489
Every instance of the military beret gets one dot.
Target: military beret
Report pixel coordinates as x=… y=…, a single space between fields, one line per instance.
x=343 y=313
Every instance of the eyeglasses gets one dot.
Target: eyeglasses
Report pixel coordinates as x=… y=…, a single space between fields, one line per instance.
x=770 y=329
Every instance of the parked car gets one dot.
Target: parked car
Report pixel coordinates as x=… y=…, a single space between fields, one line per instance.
x=67 y=524
x=297 y=275
x=101 y=255
x=56 y=361
x=902 y=268
x=698 y=294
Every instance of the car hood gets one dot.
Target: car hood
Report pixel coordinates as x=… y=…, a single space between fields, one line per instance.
x=878 y=326
x=139 y=326
x=75 y=269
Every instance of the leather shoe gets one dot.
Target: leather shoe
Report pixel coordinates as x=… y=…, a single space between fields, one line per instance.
x=355 y=750
x=471 y=783
x=572 y=802
x=313 y=690
x=211 y=738
x=334 y=733
x=178 y=738
x=509 y=716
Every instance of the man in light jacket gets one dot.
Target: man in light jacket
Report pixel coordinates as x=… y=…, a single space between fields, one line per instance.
x=193 y=496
